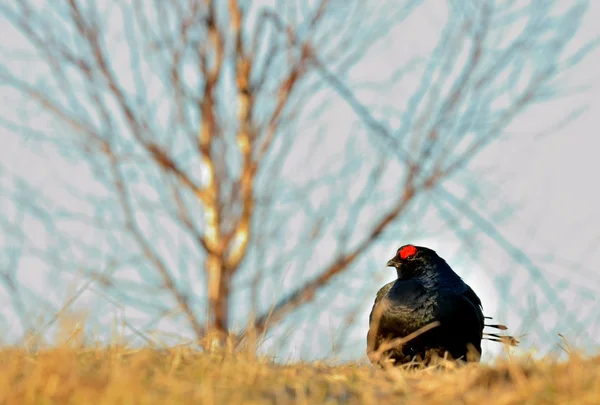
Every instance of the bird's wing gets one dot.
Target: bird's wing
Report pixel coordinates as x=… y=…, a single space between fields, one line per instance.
x=380 y=294
x=396 y=299
x=401 y=294
x=375 y=316
x=461 y=318
x=471 y=296
x=474 y=299
x=494 y=337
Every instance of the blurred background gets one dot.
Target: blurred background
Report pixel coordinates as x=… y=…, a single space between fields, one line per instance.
x=173 y=168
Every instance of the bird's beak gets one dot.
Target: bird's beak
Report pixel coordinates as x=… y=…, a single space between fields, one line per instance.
x=393 y=262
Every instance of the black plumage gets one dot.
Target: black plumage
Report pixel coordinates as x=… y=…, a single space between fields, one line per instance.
x=427 y=294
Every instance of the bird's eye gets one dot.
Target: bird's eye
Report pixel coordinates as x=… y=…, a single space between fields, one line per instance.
x=406 y=251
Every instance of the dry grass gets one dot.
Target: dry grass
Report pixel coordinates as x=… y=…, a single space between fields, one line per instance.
x=180 y=375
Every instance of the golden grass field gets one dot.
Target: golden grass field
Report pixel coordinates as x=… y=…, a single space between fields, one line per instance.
x=180 y=375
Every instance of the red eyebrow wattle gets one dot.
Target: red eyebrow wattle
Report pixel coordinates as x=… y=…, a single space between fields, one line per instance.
x=407 y=251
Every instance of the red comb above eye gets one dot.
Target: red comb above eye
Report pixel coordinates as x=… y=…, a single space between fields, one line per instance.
x=407 y=251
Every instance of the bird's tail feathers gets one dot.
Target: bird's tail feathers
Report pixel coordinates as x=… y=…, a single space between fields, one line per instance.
x=505 y=339
x=494 y=337
x=497 y=326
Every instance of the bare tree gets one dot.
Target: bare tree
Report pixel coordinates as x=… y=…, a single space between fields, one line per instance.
x=204 y=130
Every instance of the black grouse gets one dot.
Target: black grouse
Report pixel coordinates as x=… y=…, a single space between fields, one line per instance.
x=430 y=312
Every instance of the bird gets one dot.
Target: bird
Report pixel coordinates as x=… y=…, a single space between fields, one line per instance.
x=427 y=313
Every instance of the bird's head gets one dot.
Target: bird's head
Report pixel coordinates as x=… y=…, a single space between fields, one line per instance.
x=412 y=261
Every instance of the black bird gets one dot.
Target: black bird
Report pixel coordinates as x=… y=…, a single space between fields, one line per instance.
x=430 y=309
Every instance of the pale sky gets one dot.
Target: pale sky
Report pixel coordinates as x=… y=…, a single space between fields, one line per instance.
x=551 y=179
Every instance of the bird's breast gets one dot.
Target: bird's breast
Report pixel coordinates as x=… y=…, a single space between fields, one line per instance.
x=408 y=316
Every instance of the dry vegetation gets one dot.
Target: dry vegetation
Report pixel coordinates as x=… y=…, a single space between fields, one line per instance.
x=188 y=122
x=117 y=375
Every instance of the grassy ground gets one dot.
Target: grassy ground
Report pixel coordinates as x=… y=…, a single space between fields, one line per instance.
x=183 y=376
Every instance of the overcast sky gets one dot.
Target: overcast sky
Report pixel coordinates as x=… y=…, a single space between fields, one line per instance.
x=551 y=179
